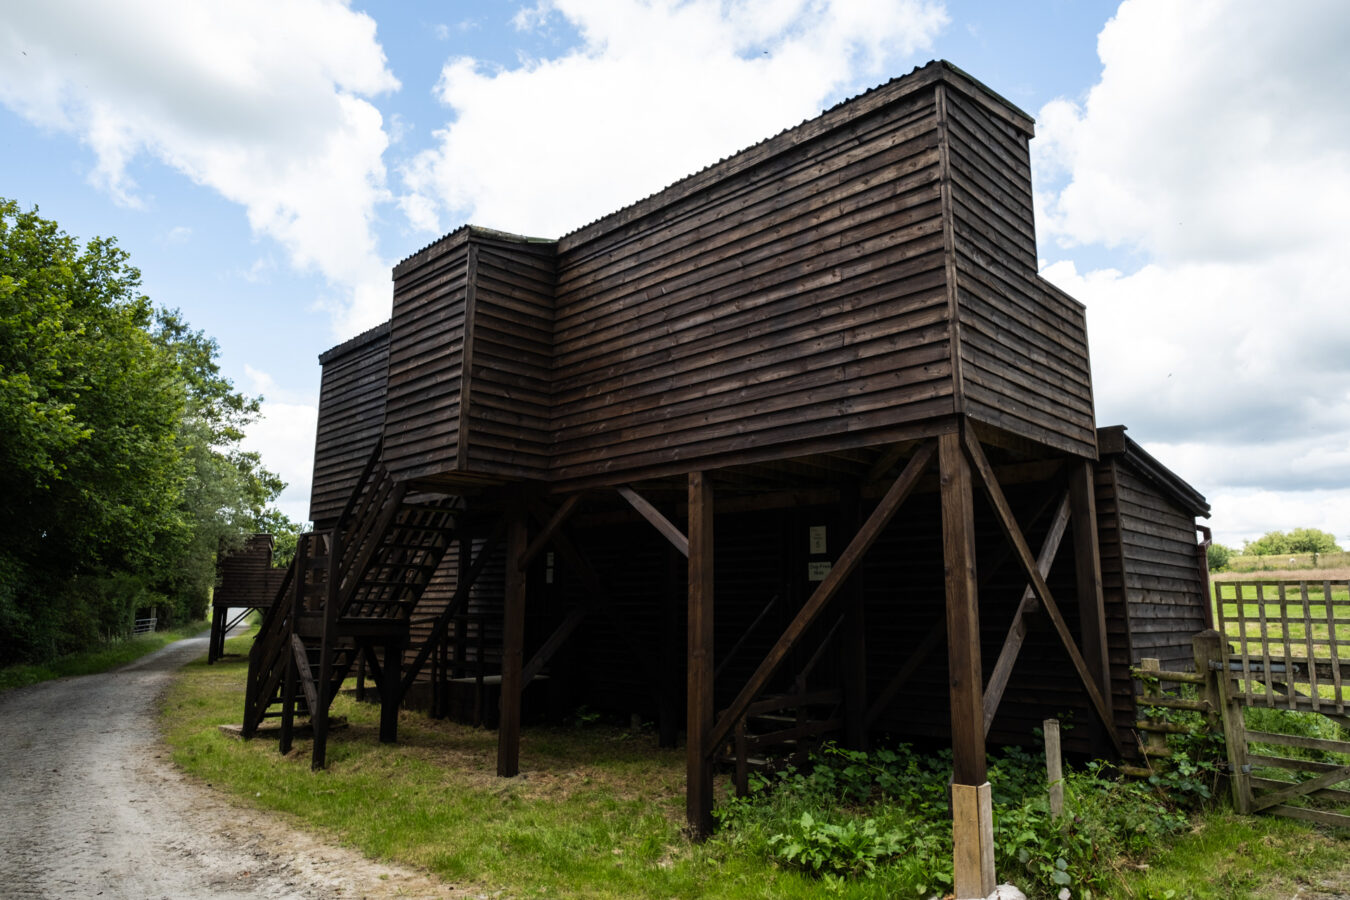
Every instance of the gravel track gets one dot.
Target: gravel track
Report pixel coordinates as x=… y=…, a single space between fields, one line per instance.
x=90 y=806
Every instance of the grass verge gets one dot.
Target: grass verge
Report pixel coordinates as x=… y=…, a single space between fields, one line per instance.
x=598 y=813
x=91 y=662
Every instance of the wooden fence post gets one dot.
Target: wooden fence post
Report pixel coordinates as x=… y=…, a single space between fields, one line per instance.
x=1155 y=742
x=1207 y=651
x=1220 y=693
x=1054 y=767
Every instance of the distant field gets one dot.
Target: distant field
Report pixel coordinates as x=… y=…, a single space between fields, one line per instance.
x=1302 y=563
x=1340 y=573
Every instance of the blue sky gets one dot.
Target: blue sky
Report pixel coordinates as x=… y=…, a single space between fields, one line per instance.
x=266 y=163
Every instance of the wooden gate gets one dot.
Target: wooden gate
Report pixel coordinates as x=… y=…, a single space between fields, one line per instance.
x=1286 y=648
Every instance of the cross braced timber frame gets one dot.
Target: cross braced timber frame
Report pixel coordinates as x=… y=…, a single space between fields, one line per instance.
x=1013 y=532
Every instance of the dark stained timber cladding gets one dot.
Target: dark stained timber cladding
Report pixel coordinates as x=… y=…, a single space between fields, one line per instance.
x=1024 y=354
x=351 y=416
x=247 y=578
x=421 y=435
x=1163 y=589
x=510 y=380
x=800 y=298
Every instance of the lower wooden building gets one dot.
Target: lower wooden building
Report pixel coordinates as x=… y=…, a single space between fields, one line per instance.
x=246 y=581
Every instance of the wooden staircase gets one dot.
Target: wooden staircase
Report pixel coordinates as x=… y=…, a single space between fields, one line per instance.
x=350 y=592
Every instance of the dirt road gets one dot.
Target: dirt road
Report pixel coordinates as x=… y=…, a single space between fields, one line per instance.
x=91 y=807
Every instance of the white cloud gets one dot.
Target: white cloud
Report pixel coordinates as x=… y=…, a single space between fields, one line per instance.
x=284 y=436
x=1216 y=146
x=265 y=103
x=655 y=91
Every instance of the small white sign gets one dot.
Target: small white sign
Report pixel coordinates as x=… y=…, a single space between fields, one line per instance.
x=817 y=571
x=817 y=539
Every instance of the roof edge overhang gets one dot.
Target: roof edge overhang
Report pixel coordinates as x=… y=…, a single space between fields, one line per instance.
x=1112 y=441
x=921 y=78
x=370 y=336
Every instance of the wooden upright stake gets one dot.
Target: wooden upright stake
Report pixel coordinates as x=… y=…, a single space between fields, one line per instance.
x=698 y=766
x=1054 y=767
x=972 y=817
x=513 y=639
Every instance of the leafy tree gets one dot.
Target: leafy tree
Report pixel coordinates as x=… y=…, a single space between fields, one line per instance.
x=286 y=531
x=1300 y=540
x=120 y=473
x=1218 y=556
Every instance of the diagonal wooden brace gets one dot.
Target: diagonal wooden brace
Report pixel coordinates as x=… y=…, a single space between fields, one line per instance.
x=1008 y=522
x=305 y=673
x=658 y=521
x=550 y=528
x=1017 y=631
x=825 y=592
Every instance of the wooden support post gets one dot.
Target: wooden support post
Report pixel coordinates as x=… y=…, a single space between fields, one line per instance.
x=973 y=841
x=390 y=690
x=288 y=701
x=303 y=551
x=963 y=614
x=318 y=713
x=972 y=815
x=698 y=765
x=513 y=639
x=1088 y=565
x=854 y=642
x=668 y=706
x=361 y=676
x=216 y=647
x=1210 y=644
x=1054 y=767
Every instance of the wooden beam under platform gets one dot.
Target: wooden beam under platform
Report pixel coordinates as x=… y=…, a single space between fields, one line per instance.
x=513 y=638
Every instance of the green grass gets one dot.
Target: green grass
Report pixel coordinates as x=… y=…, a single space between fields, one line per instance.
x=92 y=662
x=1285 y=561
x=1231 y=857
x=598 y=812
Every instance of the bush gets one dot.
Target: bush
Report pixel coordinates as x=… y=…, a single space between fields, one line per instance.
x=1218 y=556
x=885 y=816
x=825 y=848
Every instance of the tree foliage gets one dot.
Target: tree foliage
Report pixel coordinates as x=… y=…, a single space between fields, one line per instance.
x=1300 y=540
x=1218 y=556
x=120 y=469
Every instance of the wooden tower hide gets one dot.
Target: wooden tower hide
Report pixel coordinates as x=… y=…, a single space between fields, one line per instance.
x=731 y=429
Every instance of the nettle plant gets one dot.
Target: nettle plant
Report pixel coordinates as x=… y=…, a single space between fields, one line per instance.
x=853 y=816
